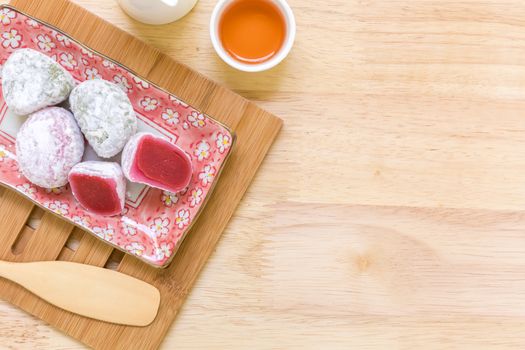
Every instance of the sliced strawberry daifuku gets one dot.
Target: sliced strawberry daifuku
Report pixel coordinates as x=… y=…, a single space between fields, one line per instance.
x=154 y=161
x=162 y=162
x=100 y=187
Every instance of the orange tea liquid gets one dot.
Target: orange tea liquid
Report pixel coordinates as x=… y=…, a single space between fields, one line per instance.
x=252 y=31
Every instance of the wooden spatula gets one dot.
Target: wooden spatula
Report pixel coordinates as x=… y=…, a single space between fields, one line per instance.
x=87 y=290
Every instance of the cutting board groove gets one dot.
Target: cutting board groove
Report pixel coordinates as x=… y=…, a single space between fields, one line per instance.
x=56 y=239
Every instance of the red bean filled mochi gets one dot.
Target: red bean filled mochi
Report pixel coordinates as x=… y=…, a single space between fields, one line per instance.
x=155 y=161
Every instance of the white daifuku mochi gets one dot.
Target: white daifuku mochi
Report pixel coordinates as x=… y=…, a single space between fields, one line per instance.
x=105 y=116
x=32 y=81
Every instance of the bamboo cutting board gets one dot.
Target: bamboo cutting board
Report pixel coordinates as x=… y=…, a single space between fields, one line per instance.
x=21 y=240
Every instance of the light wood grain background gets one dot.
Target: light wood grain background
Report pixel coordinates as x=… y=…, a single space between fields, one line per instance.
x=390 y=214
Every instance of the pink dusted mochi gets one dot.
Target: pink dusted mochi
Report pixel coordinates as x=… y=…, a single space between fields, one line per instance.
x=99 y=187
x=48 y=145
x=155 y=161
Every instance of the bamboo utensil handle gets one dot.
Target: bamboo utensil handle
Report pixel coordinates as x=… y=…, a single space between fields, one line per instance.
x=87 y=290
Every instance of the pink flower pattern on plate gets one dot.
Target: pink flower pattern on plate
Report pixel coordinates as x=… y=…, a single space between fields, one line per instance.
x=92 y=73
x=58 y=207
x=45 y=43
x=106 y=233
x=163 y=251
x=134 y=225
x=143 y=84
x=202 y=151
x=122 y=82
x=81 y=220
x=6 y=15
x=182 y=219
x=32 y=23
x=207 y=175
x=64 y=40
x=109 y=64
x=27 y=189
x=197 y=119
x=170 y=116
x=149 y=104
x=160 y=226
x=136 y=248
x=129 y=230
x=223 y=142
x=86 y=53
x=169 y=198
x=195 y=197
x=11 y=39
x=68 y=61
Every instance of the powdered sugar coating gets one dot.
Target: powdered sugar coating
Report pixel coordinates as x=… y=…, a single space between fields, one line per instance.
x=32 y=81
x=105 y=116
x=48 y=145
x=106 y=170
x=128 y=154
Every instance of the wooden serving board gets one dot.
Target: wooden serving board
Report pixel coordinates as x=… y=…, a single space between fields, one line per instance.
x=20 y=240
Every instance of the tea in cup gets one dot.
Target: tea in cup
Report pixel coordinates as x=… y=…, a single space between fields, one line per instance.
x=252 y=35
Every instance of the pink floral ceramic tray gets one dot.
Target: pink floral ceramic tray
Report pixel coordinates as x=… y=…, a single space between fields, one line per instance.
x=154 y=222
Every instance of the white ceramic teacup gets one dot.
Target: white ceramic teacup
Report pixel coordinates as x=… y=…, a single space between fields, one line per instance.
x=157 y=11
x=289 y=18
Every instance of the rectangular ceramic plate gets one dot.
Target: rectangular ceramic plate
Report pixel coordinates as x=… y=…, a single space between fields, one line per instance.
x=154 y=222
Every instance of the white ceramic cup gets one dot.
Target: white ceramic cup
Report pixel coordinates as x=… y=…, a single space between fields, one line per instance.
x=157 y=11
x=289 y=18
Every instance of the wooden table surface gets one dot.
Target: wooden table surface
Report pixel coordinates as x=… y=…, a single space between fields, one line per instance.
x=390 y=212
